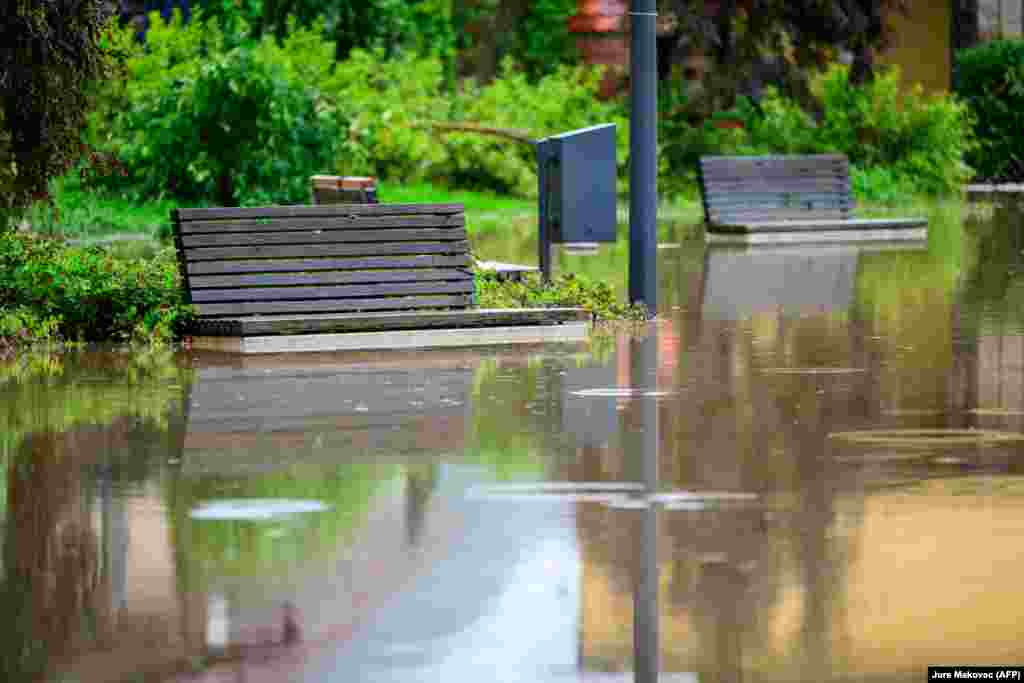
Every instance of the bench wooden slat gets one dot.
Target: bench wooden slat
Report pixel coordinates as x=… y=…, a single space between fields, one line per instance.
x=275 y=212
x=782 y=202
x=329 y=292
x=769 y=214
x=790 y=164
x=326 y=264
x=356 y=322
x=350 y=277
x=324 y=237
x=332 y=306
x=767 y=185
x=816 y=224
x=347 y=222
x=310 y=251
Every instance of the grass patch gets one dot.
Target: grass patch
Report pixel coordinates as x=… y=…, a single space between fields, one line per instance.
x=82 y=214
x=475 y=202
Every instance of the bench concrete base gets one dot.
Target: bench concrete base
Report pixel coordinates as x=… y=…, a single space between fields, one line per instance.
x=819 y=237
x=571 y=332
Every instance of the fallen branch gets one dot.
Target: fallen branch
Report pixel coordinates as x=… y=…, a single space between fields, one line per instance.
x=507 y=133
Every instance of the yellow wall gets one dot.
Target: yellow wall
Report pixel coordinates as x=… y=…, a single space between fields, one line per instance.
x=921 y=44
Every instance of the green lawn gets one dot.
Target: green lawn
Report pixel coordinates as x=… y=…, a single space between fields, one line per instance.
x=84 y=215
x=493 y=219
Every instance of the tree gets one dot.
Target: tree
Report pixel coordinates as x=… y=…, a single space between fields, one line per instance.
x=53 y=53
x=798 y=37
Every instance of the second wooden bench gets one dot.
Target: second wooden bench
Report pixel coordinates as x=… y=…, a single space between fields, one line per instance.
x=789 y=199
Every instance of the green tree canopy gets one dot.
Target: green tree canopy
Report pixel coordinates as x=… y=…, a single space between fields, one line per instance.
x=801 y=36
x=53 y=51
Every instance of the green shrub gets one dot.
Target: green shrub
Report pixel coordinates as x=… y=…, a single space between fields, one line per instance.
x=559 y=102
x=387 y=107
x=48 y=289
x=921 y=142
x=922 y=138
x=566 y=290
x=203 y=121
x=543 y=42
x=990 y=78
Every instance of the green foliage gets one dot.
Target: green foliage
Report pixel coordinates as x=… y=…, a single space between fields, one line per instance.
x=543 y=42
x=566 y=290
x=208 y=120
x=394 y=26
x=925 y=138
x=50 y=290
x=990 y=78
x=919 y=141
x=53 y=52
x=563 y=100
x=800 y=36
x=388 y=107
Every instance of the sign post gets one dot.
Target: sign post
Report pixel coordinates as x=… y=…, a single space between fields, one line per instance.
x=576 y=175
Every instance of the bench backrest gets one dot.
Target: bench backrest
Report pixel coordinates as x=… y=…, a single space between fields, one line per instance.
x=748 y=189
x=238 y=262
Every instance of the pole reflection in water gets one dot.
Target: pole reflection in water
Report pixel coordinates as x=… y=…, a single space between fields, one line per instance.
x=643 y=371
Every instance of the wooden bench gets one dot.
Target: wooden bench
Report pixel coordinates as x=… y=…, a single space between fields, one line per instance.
x=789 y=199
x=344 y=277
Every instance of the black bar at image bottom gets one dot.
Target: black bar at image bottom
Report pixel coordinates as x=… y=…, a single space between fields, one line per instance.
x=976 y=673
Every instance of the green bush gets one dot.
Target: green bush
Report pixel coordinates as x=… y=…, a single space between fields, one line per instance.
x=921 y=142
x=559 y=102
x=49 y=290
x=386 y=108
x=922 y=138
x=990 y=78
x=566 y=290
x=205 y=121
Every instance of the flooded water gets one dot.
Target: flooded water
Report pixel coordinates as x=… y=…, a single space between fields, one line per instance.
x=810 y=468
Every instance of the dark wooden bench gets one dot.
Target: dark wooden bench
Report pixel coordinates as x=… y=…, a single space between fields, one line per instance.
x=789 y=198
x=344 y=277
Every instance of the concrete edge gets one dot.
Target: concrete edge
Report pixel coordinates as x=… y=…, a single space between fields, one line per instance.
x=824 y=236
x=571 y=332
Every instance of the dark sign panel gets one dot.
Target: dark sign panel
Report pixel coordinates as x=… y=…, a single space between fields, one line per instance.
x=578 y=184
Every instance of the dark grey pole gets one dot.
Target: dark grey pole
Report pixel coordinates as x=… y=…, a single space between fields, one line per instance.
x=543 y=229
x=643 y=160
x=644 y=376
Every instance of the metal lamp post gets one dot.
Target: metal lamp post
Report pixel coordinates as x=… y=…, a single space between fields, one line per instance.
x=643 y=160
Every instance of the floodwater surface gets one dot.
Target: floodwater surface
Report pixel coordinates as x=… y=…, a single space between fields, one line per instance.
x=809 y=468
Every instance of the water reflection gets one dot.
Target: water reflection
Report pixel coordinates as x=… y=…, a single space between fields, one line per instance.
x=673 y=503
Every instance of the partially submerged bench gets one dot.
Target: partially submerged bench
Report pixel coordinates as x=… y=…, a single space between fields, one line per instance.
x=789 y=199
x=344 y=277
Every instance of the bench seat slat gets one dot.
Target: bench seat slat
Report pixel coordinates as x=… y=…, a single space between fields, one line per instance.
x=729 y=197
x=324 y=237
x=814 y=224
x=736 y=177
x=790 y=164
x=332 y=305
x=767 y=186
x=321 y=264
x=767 y=214
x=346 y=222
x=310 y=251
x=330 y=292
x=351 y=277
x=231 y=213
x=358 y=322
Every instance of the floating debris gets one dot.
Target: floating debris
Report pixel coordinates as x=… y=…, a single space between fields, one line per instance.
x=256 y=509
